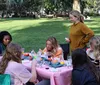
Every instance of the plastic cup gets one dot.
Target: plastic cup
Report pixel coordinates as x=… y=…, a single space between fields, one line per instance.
x=23 y=49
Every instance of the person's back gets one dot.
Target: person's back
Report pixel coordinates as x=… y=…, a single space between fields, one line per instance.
x=82 y=76
x=18 y=77
x=11 y=63
x=84 y=71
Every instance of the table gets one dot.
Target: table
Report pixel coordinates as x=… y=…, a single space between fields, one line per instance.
x=61 y=76
x=1 y=57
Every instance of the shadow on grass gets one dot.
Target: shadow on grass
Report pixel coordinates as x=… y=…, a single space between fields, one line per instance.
x=34 y=37
x=13 y=19
x=96 y=30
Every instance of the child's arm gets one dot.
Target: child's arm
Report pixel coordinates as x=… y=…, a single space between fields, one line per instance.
x=34 y=75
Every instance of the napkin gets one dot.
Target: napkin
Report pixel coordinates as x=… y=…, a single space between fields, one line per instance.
x=53 y=70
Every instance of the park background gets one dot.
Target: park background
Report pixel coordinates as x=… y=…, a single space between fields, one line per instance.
x=31 y=22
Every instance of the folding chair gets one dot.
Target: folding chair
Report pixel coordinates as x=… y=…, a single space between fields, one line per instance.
x=66 y=50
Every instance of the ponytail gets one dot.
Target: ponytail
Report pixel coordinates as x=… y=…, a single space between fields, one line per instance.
x=81 y=18
x=77 y=14
x=4 y=64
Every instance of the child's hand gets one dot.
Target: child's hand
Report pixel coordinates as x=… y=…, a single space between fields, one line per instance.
x=67 y=39
x=49 y=59
x=54 y=61
x=40 y=50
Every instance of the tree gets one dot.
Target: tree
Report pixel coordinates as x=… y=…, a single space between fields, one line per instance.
x=58 y=5
x=33 y=5
x=91 y=5
x=2 y=5
x=76 y=5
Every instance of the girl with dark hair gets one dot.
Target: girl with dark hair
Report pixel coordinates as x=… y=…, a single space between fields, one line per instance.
x=80 y=34
x=84 y=71
x=5 y=39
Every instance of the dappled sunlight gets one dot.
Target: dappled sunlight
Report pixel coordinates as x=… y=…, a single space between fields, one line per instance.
x=93 y=26
x=67 y=24
x=59 y=33
x=32 y=33
x=37 y=35
x=98 y=34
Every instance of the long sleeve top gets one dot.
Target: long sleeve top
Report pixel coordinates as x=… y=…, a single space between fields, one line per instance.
x=80 y=35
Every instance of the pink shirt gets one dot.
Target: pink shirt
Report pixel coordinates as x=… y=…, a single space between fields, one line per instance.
x=19 y=74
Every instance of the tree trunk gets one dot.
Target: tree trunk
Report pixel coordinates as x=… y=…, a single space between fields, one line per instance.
x=76 y=5
x=7 y=4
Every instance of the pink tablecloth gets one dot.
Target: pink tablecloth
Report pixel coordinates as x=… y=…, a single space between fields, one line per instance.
x=62 y=75
x=1 y=57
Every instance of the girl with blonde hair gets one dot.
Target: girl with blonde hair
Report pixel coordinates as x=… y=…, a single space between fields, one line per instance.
x=97 y=48
x=94 y=51
x=97 y=51
x=53 y=49
x=80 y=34
x=90 y=50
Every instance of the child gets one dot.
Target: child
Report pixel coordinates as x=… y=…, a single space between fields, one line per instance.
x=11 y=64
x=94 y=51
x=90 y=51
x=5 y=39
x=84 y=72
x=53 y=49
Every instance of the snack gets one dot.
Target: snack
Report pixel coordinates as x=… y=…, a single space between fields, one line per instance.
x=62 y=62
x=26 y=54
x=54 y=61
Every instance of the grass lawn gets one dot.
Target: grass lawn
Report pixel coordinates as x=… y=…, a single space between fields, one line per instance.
x=32 y=33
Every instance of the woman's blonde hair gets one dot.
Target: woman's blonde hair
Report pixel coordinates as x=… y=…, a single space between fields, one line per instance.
x=77 y=14
x=54 y=42
x=12 y=52
x=97 y=47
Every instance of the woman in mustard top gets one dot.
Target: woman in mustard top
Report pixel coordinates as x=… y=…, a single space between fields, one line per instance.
x=80 y=34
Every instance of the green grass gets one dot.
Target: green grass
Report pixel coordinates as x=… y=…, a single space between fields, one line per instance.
x=32 y=33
